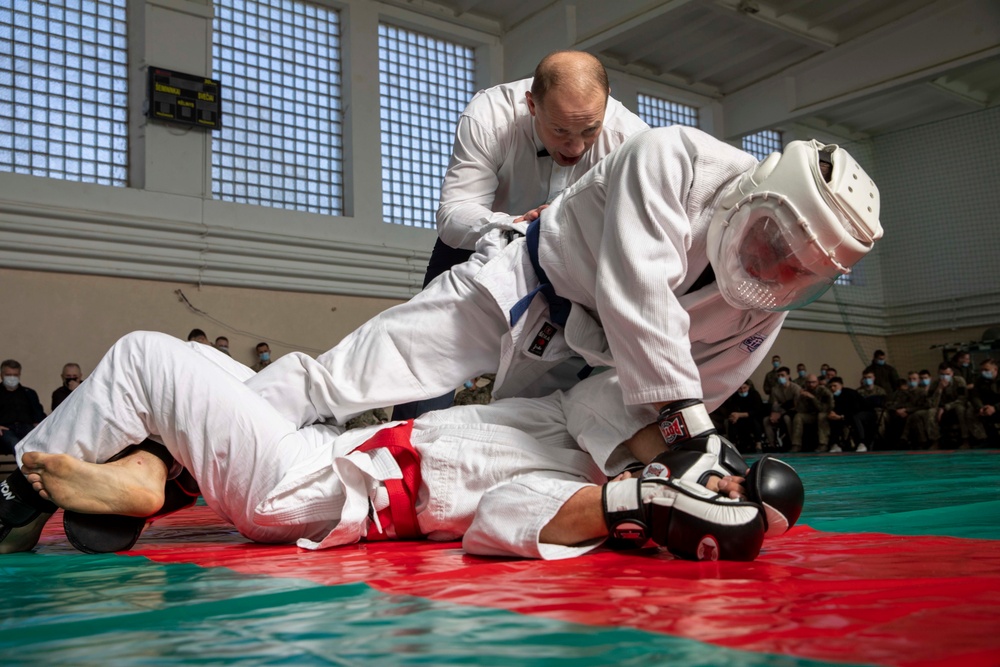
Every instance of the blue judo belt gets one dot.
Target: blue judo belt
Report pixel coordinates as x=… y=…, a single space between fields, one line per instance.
x=558 y=306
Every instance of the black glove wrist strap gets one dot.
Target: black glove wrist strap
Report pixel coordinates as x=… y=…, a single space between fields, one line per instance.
x=624 y=513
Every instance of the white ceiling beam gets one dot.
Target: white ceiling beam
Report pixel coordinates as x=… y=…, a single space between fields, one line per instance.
x=767 y=17
x=602 y=37
x=971 y=97
x=918 y=48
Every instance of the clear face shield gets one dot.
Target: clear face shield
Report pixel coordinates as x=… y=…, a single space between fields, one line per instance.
x=775 y=264
x=788 y=239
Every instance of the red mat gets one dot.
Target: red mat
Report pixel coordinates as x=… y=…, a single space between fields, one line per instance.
x=871 y=598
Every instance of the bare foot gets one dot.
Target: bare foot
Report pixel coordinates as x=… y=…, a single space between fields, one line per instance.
x=132 y=485
x=24 y=538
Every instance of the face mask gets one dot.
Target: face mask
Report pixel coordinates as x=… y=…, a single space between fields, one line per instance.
x=965 y=365
x=224 y=348
x=925 y=381
x=914 y=383
x=802 y=374
x=744 y=394
x=782 y=380
x=11 y=381
x=265 y=356
x=945 y=378
x=868 y=381
x=836 y=393
x=880 y=362
x=468 y=384
x=986 y=374
x=776 y=364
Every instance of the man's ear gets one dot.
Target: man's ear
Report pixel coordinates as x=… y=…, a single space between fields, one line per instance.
x=531 y=102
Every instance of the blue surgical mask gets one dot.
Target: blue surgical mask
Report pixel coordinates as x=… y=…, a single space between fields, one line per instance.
x=836 y=393
x=945 y=378
x=782 y=379
x=868 y=381
x=265 y=356
x=914 y=383
x=965 y=365
x=11 y=381
x=925 y=381
x=744 y=394
x=468 y=384
x=986 y=374
x=880 y=362
x=802 y=374
x=776 y=364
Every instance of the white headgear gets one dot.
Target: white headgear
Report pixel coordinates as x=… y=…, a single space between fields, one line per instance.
x=783 y=233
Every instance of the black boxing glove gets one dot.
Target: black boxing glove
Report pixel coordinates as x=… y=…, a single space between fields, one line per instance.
x=689 y=520
x=770 y=482
x=775 y=486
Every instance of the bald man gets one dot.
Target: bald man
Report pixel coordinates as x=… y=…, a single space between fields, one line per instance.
x=517 y=146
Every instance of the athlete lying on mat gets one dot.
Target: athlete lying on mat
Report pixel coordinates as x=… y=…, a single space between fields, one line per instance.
x=509 y=477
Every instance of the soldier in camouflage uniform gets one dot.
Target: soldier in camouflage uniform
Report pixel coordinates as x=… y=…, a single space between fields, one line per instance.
x=474 y=394
x=948 y=396
x=367 y=418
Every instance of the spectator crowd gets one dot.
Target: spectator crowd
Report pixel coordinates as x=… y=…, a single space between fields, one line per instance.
x=954 y=408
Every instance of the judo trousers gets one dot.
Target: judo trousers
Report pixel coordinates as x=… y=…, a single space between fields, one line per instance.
x=496 y=474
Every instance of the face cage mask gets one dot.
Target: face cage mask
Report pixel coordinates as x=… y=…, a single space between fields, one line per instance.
x=772 y=260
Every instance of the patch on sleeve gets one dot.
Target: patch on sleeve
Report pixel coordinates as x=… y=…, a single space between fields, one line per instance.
x=751 y=343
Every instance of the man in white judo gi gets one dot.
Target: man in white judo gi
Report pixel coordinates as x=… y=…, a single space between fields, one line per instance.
x=518 y=145
x=506 y=476
x=617 y=270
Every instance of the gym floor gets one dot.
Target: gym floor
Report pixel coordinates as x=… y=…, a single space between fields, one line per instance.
x=896 y=561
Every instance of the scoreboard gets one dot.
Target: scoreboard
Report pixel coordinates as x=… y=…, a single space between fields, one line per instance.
x=183 y=98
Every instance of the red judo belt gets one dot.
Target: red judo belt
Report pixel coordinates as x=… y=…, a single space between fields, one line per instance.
x=402 y=508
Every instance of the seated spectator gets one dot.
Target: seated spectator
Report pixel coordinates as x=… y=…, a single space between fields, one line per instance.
x=851 y=415
x=72 y=376
x=925 y=379
x=984 y=405
x=771 y=378
x=783 y=396
x=812 y=405
x=20 y=409
x=800 y=375
x=198 y=336
x=831 y=373
x=948 y=404
x=908 y=412
x=222 y=345
x=876 y=398
x=367 y=418
x=886 y=376
x=961 y=363
x=477 y=391
x=893 y=420
x=743 y=412
x=263 y=357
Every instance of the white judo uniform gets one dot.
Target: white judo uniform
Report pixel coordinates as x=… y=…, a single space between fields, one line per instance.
x=624 y=244
x=496 y=474
x=495 y=174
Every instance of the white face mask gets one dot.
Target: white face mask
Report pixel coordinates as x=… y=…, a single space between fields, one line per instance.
x=11 y=381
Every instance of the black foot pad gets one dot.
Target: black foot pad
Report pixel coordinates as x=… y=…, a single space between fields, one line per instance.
x=102 y=533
